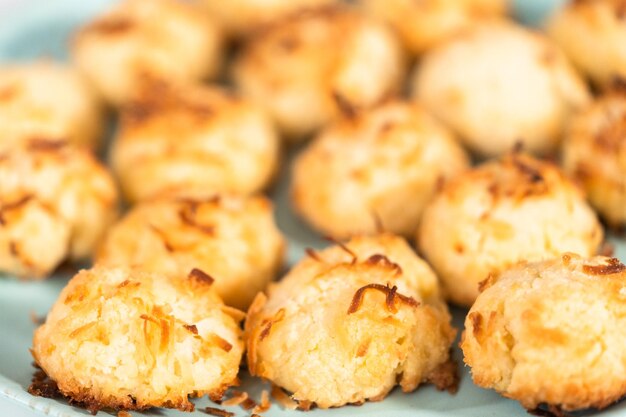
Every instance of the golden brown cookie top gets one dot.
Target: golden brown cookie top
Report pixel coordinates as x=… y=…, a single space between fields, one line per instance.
x=514 y=178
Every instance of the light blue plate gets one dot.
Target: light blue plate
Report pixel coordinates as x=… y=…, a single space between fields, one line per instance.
x=41 y=28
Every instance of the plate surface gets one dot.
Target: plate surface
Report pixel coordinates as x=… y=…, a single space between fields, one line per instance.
x=41 y=28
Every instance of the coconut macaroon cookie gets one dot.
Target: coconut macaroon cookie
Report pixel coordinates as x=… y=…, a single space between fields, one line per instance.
x=48 y=100
x=56 y=201
x=593 y=34
x=552 y=333
x=244 y=17
x=349 y=323
x=233 y=239
x=128 y=339
x=498 y=83
x=307 y=68
x=423 y=24
x=135 y=40
x=594 y=152
x=195 y=137
x=375 y=170
x=517 y=208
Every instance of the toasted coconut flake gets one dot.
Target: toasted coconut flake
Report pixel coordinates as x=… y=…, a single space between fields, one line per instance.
x=566 y=258
x=477 y=322
x=237 y=398
x=149 y=318
x=378 y=221
x=220 y=342
x=235 y=313
x=268 y=323
x=311 y=253
x=46 y=145
x=518 y=147
x=613 y=266
x=12 y=206
x=201 y=276
x=81 y=329
x=283 y=399
x=256 y=306
x=382 y=260
x=187 y=217
x=13 y=249
x=488 y=282
x=391 y=294
x=166 y=330
x=344 y=105
x=264 y=405
x=112 y=25
x=37 y=320
x=619 y=84
x=191 y=327
x=552 y=411
x=305 y=405
x=390 y=299
x=216 y=396
x=248 y=404
x=218 y=412
x=363 y=348
x=533 y=174
x=345 y=248
x=168 y=246
x=126 y=283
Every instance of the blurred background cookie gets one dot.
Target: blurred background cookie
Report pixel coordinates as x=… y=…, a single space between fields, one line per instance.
x=498 y=83
x=127 y=339
x=233 y=239
x=193 y=137
x=517 y=208
x=594 y=153
x=50 y=100
x=592 y=33
x=551 y=333
x=308 y=68
x=348 y=323
x=423 y=24
x=376 y=169
x=138 y=40
x=56 y=201
x=241 y=18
